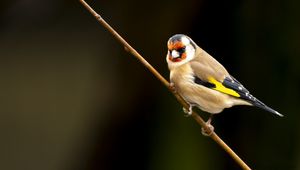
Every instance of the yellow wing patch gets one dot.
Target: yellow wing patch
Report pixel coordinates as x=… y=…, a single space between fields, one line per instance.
x=219 y=87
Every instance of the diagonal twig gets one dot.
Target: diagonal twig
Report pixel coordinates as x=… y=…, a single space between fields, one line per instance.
x=197 y=118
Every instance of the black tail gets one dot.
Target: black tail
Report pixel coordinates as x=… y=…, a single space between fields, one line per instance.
x=261 y=105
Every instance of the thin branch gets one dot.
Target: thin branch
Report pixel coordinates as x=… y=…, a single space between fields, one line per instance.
x=198 y=119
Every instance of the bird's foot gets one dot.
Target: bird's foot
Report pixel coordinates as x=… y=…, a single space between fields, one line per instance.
x=172 y=87
x=188 y=113
x=209 y=130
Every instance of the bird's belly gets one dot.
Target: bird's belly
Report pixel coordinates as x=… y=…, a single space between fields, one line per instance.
x=204 y=98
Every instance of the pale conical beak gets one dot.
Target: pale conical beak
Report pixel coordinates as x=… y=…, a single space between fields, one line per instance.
x=175 y=54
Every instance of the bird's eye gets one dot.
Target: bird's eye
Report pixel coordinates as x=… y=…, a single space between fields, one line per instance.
x=181 y=50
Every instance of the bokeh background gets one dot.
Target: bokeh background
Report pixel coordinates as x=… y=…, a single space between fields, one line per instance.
x=72 y=98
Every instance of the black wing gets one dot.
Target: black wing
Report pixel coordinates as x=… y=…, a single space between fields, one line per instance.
x=197 y=80
x=232 y=83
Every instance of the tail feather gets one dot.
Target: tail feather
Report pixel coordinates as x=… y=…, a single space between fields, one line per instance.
x=261 y=105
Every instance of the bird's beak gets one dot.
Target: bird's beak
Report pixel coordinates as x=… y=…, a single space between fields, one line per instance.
x=174 y=54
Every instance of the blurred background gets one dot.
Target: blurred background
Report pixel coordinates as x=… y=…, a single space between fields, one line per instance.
x=72 y=98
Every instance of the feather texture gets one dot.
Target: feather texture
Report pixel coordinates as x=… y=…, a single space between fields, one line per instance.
x=202 y=81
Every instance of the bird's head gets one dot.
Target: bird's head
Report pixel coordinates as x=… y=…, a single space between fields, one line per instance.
x=181 y=49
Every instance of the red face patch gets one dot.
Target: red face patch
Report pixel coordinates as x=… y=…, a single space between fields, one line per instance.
x=176 y=46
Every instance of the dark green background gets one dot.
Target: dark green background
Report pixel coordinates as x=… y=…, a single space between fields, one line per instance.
x=72 y=98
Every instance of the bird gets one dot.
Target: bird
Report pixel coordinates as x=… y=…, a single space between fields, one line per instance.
x=203 y=82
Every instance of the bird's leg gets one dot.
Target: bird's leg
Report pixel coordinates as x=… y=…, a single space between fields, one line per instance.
x=210 y=130
x=188 y=112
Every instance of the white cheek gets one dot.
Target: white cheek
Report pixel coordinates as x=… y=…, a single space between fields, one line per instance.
x=190 y=52
x=174 y=54
x=185 y=41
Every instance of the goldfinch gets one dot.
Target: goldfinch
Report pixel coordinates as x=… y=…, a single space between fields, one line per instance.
x=202 y=81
